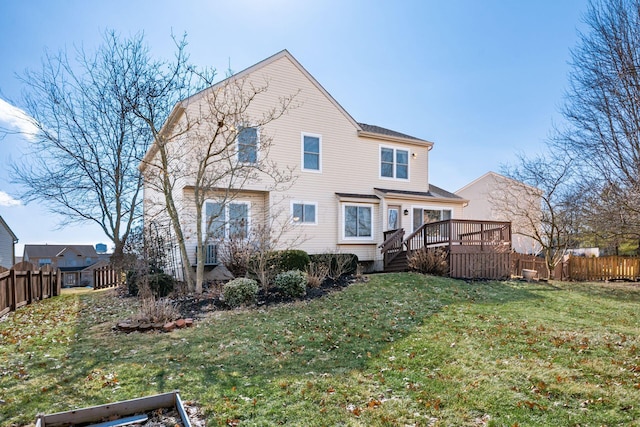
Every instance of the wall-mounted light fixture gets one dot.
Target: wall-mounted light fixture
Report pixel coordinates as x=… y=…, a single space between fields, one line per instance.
x=414 y=155
x=406 y=212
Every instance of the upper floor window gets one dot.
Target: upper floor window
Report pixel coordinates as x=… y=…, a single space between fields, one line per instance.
x=303 y=213
x=248 y=145
x=44 y=261
x=230 y=220
x=311 y=145
x=394 y=163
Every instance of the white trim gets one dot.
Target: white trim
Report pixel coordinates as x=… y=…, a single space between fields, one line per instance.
x=313 y=135
x=386 y=216
x=394 y=149
x=303 y=203
x=343 y=222
x=226 y=216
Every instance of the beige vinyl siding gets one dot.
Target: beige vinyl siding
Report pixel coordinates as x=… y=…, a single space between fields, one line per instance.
x=349 y=163
x=480 y=207
x=258 y=208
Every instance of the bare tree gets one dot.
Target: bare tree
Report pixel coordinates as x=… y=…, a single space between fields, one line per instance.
x=212 y=147
x=602 y=109
x=82 y=163
x=539 y=201
x=611 y=227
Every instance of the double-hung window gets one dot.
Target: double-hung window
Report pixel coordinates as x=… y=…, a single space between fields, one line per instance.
x=311 y=152
x=247 y=145
x=358 y=222
x=304 y=213
x=230 y=220
x=394 y=163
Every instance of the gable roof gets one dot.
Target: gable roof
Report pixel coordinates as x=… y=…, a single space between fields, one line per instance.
x=4 y=224
x=181 y=105
x=54 y=251
x=497 y=176
x=362 y=128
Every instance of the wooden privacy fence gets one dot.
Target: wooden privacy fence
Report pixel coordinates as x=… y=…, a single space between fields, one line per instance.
x=604 y=268
x=107 y=277
x=580 y=268
x=24 y=284
x=521 y=262
x=479 y=265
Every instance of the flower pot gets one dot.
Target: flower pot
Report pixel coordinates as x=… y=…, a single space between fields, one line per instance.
x=529 y=275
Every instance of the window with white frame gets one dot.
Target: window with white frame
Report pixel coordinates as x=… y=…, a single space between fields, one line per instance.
x=311 y=152
x=427 y=215
x=229 y=220
x=304 y=212
x=358 y=221
x=247 y=140
x=394 y=163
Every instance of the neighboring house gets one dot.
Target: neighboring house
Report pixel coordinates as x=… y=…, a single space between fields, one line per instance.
x=76 y=262
x=353 y=181
x=8 y=242
x=487 y=194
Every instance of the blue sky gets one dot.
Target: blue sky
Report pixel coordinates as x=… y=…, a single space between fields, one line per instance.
x=482 y=79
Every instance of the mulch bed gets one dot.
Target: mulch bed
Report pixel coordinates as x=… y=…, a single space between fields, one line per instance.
x=194 y=306
x=197 y=306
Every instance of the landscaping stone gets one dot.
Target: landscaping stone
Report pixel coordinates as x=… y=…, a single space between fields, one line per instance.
x=181 y=323
x=219 y=274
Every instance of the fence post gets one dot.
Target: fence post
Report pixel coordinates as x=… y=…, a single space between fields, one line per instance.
x=29 y=289
x=12 y=289
x=58 y=285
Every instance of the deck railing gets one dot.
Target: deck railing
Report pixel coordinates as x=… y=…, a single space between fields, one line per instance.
x=452 y=232
x=210 y=254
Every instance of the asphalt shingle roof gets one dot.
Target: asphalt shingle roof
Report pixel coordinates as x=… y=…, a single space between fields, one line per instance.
x=434 y=191
x=388 y=132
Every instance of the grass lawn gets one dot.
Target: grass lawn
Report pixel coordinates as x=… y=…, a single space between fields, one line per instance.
x=401 y=349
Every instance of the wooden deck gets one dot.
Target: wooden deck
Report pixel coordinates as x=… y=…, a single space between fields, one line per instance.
x=476 y=249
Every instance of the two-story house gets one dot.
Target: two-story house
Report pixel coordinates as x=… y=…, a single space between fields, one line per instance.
x=8 y=242
x=76 y=262
x=353 y=181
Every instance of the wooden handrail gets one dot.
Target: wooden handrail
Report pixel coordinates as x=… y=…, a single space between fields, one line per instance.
x=392 y=246
x=396 y=235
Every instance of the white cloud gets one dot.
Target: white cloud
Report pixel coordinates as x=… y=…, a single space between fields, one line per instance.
x=17 y=120
x=7 y=200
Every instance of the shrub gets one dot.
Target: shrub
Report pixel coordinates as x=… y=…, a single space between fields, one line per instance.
x=339 y=264
x=265 y=266
x=240 y=291
x=429 y=261
x=159 y=284
x=292 y=284
x=292 y=259
x=157 y=311
x=316 y=273
x=235 y=255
